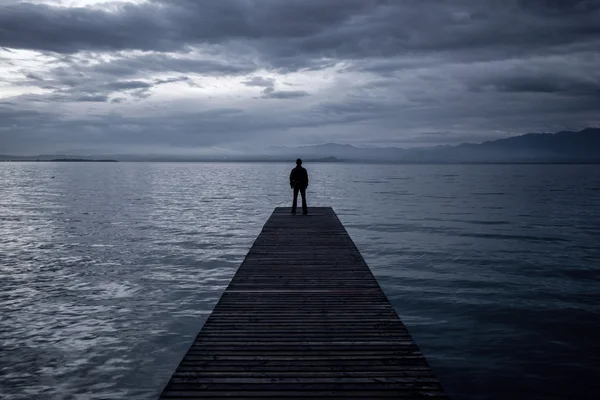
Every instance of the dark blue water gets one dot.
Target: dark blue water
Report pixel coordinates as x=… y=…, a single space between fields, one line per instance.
x=108 y=271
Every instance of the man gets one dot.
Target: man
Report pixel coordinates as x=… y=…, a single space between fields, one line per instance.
x=299 y=182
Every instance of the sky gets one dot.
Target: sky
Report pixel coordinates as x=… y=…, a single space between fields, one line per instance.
x=236 y=76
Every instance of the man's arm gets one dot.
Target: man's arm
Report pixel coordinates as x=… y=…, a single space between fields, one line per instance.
x=306 y=173
x=292 y=178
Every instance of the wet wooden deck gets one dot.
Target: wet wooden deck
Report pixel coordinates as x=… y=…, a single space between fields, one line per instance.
x=303 y=317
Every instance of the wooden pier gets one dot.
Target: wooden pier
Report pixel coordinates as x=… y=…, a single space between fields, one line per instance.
x=303 y=318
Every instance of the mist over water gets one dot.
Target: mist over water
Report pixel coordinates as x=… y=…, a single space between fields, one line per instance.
x=108 y=271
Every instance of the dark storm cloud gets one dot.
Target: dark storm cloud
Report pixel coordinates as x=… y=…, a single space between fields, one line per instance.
x=86 y=89
x=91 y=99
x=467 y=64
x=165 y=25
x=545 y=84
x=126 y=85
x=285 y=94
x=180 y=129
x=14 y=118
x=201 y=128
x=270 y=93
x=33 y=77
x=185 y=79
x=286 y=32
x=79 y=87
x=260 y=82
x=578 y=80
x=300 y=34
x=128 y=65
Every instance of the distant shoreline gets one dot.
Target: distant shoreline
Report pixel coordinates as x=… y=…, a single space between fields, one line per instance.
x=60 y=160
x=374 y=162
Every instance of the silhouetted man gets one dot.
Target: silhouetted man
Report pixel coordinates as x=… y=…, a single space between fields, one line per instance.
x=299 y=182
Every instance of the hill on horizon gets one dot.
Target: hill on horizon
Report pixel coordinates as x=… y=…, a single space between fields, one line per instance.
x=561 y=147
x=564 y=146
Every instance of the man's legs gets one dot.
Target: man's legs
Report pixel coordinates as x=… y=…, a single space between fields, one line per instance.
x=304 y=207
x=295 y=202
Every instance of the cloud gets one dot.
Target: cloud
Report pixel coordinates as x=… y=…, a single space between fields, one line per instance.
x=269 y=91
x=554 y=83
x=128 y=85
x=165 y=25
x=465 y=68
x=260 y=82
x=14 y=118
x=130 y=64
x=185 y=79
x=33 y=77
x=93 y=99
x=284 y=94
x=295 y=32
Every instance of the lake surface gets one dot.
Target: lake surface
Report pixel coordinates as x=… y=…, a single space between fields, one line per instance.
x=108 y=271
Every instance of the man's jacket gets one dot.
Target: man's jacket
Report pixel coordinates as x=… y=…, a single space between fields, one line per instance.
x=299 y=177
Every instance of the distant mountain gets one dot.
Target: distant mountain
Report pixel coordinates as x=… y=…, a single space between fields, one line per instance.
x=566 y=146
x=341 y=151
x=562 y=147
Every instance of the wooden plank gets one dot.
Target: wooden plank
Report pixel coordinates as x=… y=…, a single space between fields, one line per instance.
x=303 y=317
x=332 y=392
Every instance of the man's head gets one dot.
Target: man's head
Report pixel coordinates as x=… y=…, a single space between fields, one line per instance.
x=299 y=162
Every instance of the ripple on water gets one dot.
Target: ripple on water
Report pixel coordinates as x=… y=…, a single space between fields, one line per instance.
x=108 y=271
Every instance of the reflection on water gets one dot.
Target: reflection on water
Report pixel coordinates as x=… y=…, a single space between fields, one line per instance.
x=108 y=271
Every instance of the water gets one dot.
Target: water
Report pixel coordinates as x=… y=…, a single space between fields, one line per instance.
x=108 y=271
